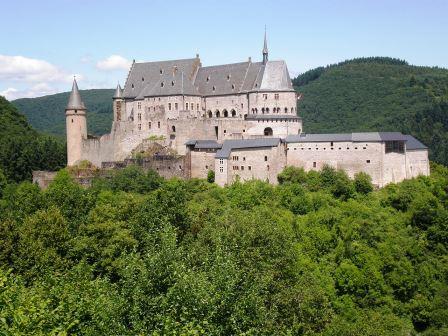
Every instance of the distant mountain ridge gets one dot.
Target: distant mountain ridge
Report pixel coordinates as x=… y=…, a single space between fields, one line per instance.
x=47 y=113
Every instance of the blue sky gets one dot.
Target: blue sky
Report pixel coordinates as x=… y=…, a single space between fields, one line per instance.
x=45 y=42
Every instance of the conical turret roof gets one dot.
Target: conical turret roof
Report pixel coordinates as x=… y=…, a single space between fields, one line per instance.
x=75 y=102
x=118 y=92
x=265 y=46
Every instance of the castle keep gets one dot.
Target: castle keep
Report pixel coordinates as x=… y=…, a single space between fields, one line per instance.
x=239 y=120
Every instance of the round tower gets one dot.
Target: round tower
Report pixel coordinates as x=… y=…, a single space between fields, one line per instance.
x=75 y=116
x=118 y=103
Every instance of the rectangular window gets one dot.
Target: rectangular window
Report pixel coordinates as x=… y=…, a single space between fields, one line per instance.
x=249 y=167
x=368 y=161
x=158 y=124
x=221 y=161
x=314 y=164
x=221 y=169
x=186 y=106
x=276 y=96
x=139 y=117
x=169 y=106
x=197 y=107
x=242 y=167
x=265 y=96
x=149 y=125
x=176 y=106
x=139 y=127
x=394 y=146
x=265 y=158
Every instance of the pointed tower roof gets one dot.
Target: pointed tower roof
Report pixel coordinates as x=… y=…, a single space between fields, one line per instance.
x=75 y=102
x=118 y=92
x=265 y=46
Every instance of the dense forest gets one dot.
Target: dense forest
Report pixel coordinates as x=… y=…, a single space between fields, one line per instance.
x=47 y=114
x=22 y=149
x=319 y=254
x=378 y=94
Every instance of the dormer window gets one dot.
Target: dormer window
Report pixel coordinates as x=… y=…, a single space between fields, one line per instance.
x=162 y=84
x=161 y=71
x=233 y=86
x=214 y=88
x=208 y=78
x=143 y=79
x=172 y=83
x=228 y=77
x=132 y=86
x=256 y=84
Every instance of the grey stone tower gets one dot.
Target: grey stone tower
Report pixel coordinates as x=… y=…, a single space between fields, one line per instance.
x=265 y=48
x=75 y=116
x=118 y=103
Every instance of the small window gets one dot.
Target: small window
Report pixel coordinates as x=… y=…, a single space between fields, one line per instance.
x=265 y=158
x=161 y=71
x=143 y=79
x=149 y=125
x=331 y=144
x=242 y=167
x=206 y=167
x=314 y=164
x=228 y=77
x=139 y=127
x=176 y=106
x=233 y=86
x=132 y=85
x=72 y=120
x=173 y=128
x=208 y=78
x=214 y=88
x=249 y=167
x=162 y=84
x=169 y=106
x=367 y=161
x=172 y=83
x=221 y=169
x=186 y=106
x=158 y=124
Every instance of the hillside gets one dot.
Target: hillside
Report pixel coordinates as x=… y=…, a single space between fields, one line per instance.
x=378 y=94
x=46 y=114
x=23 y=149
x=318 y=254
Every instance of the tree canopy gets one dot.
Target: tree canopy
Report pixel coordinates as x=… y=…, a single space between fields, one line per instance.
x=136 y=254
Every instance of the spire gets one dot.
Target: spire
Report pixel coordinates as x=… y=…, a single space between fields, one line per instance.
x=75 y=102
x=118 y=92
x=265 y=48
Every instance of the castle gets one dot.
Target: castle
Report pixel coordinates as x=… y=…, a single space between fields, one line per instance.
x=239 y=120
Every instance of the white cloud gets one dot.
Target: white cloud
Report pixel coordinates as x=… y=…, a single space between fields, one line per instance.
x=114 y=62
x=40 y=89
x=24 y=69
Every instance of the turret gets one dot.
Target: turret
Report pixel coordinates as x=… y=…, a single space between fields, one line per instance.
x=75 y=116
x=265 y=48
x=118 y=103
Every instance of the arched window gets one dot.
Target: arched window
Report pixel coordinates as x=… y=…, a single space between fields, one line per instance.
x=267 y=109
x=210 y=114
x=173 y=128
x=286 y=110
x=233 y=113
x=225 y=113
x=292 y=109
x=262 y=110
x=217 y=114
x=268 y=131
x=256 y=110
x=278 y=109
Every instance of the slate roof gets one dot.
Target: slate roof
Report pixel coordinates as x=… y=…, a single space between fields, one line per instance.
x=348 y=137
x=204 y=144
x=75 y=102
x=230 y=145
x=118 y=92
x=188 y=77
x=148 y=76
x=413 y=144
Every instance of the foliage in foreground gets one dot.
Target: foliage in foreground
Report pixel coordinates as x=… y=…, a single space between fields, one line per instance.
x=317 y=254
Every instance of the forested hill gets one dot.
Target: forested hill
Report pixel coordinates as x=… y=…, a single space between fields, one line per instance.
x=47 y=114
x=378 y=93
x=22 y=149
